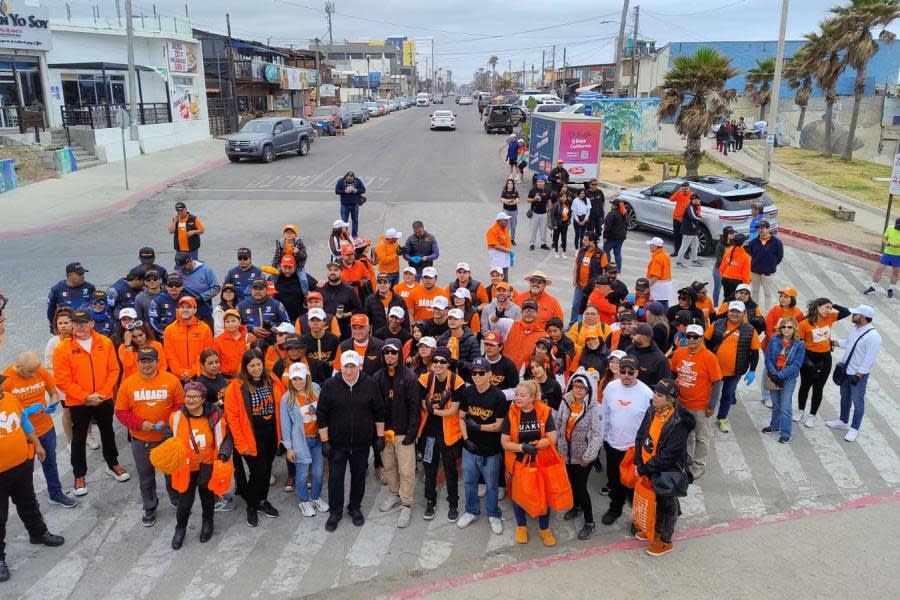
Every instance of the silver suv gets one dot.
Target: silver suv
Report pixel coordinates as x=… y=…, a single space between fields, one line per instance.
x=268 y=137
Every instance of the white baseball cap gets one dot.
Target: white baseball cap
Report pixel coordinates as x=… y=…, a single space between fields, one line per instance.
x=298 y=369
x=396 y=311
x=393 y=234
x=316 y=313
x=285 y=328
x=694 y=328
x=339 y=223
x=498 y=270
x=410 y=270
x=744 y=287
x=737 y=305
x=429 y=272
x=502 y=216
x=656 y=242
x=463 y=293
x=351 y=357
x=464 y=266
x=440 y=302
x=620 y=354
x=864 y=310
x=456 y=313
x=128 y=312
x=428 y=341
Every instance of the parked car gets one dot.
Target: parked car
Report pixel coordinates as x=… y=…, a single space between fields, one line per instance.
x=268 y=137
x=383 y=106
x=404 y=104
x=346 y=118
x=465 y=101
x=443 y=119
x=724 y=201
x=574 y=109
x=547 y=108
x=326 y=114
x=357 y=110
x=392 y=105
x=498 y=118
x=372 y=109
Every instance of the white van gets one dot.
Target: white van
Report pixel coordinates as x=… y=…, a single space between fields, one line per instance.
x=522 y=102
x=423 y=99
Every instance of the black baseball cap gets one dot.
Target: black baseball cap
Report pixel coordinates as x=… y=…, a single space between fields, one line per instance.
x=628 y=315
x=529 y=304
x=764 y=223
x=258 y=283
x=382 y=277
x=665 y=386
x=98 y=296
x=630 y=362
x=151 y=273
x=180 y=205
x=147 y=255
x=642 y=283
x=182 y=258
x=481 y=362
x=147 y=353
x=292 y=341
x=75 y=267
x=136 y=273
x=603 y=280
x=81 y=316
x=244 y=253
x=174 y=279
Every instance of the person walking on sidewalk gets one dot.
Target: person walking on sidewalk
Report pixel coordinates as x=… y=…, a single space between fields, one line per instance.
x=186 y=229
x=682 y=198
x=73 y=292
x=615 y=231
x=352 y=192
x=539 y=204
x=512 y=154
x=740 y=130
x=736 y=345
x=691 y=222
x=766 y=253
x=784 y=357
x=861 y=350
x=597 y=200
x=889 y=258
x=816 y=331
x=509 y=203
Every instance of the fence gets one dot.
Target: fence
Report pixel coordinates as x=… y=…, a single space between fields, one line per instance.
x=103 y=116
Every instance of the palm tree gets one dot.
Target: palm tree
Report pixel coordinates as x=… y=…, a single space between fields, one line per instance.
x=758 y=79
x=492 y=61
x=855 y=24
x=697 y=80
x=799 y=73
x=830 y=64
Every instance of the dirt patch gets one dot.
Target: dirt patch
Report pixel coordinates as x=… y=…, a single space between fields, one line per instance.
x=29 y=167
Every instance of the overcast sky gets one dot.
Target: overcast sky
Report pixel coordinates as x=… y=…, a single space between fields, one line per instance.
x=467 y=32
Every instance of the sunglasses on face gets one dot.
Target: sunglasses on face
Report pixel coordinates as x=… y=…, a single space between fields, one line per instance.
x=440 y=361
x=692 y=336
x=134 y=325
x=151 y=278
x=243 y=258
x=627 y=371
x=174 y=285
x=479 y=373
x=390 y=352
x=536 y=281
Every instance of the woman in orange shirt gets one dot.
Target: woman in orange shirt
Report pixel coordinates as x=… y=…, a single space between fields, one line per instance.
x=231 y=344
x=787 y=307
x=735 y=266
x=815 y=330
x=134 y=339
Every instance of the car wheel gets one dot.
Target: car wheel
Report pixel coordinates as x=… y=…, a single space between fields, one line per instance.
x=234 y=158
x=303 y=148
x=705 y=239
x=631 y=222
x=268 y=154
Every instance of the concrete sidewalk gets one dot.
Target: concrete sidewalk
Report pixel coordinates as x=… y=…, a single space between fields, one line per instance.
x=83 y=196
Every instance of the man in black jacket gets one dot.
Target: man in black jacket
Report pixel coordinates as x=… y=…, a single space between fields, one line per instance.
x=559 y=176
x=397 y=326
x=653 y=363
x=368 y=346
x=614 y=231
x=337 y=294
x=403 y=411
x=289 y=288
x=597 y=200
x=350 y=416
x=383 y=300
x=464 y=346
x=421 y=249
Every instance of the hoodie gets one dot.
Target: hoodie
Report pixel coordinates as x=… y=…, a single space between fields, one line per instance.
x=653 y=364
x=587 y=434
x=400 y=393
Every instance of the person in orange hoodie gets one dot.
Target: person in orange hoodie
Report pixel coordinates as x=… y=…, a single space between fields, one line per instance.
x=143 y=405
x=133 y=340
x=735 y=266
x=548 y=306
x=86 y=371
x=523 y=335
x=231 y=344
x=659 y=272
x=184 y=340
x=253 y=415
x=355 y=272
x=598 y=298
x=386 y=255
x=681 y=197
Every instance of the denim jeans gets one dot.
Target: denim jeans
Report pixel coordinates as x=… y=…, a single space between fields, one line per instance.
x=316 y=467
x=717 y=285
x=304 y=282
x=614 y=246
x=51 y=473
x=729 y=385
x=522 y=517
x=488 y=467
x=348 y=212
x=854 y=394
x=782 y=408
x=577 y=299
x=579 y=233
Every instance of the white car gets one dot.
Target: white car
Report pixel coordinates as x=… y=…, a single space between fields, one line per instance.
x=443 y=119
x=465 y=101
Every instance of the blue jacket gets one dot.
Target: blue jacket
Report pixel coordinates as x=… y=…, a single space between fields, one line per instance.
x=201 y=283
x=104 y=324
x=120 y=295
x=292 y=421
x=793 y=361
x=348 y=198
x=74 y=297
x=512 y=150
x=765 y=258
x=161 y=313
x=242 y=280
x=253 y=313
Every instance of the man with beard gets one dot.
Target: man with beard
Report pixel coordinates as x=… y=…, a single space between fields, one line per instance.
x=379 y=304
x=339 y=299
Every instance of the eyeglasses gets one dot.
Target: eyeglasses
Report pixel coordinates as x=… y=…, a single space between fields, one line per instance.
x=627 y=371
x=787 y=326
x=479 y=373
x=692 y=336
x=243 y=257
x=151 y=278
x=440 y=361
x=536 y=281
x=193 y=397
x=134 y=325
x=388 y=351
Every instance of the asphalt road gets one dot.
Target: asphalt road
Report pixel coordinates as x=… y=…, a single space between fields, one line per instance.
x=451 y=181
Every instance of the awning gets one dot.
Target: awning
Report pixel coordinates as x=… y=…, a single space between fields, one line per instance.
x=255 y=48
x=98 y=66
x=588 y=88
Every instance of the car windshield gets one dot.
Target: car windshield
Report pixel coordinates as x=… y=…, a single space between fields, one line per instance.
x=443 y=113
x=550 y=107
x=322 y=111
x=353 y=106
x=257 y=127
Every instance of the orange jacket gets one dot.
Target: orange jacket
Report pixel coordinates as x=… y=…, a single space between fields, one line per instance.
x=238 y=417
x=128 y=359
x=386 y=254
x=519 y=343
x=230 y=351
x=79 y=374
x=681 y=200
x=452 y=432
x=184 y=343
x=735 y=264
x=548 y=306
x=515 y=416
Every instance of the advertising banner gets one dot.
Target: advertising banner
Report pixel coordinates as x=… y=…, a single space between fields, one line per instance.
x=182 y=58
x=409 y=53
x=579 y=148
x=540 y=153
x=895 y=176
x=23 y=26
x=326 y=90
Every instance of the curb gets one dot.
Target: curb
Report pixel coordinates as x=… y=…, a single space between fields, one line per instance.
x=853 y=250
x=122 y=204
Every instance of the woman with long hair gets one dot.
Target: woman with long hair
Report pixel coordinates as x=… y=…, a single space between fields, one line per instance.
x=784 y=358
x=62 y=329
x=581 y=215
x=211 y=377
x=300 y=437
x=462 y=299
x=411 y=347
x=722 y=244
x=735 y=266
x=227 y=301
x=509 y=203
x=786 y=307
x=816 y=331
x=539 y=372
x=560 y=217
x=420 y=361
x=340 y=237
x=593 y=354
x=137 y=335
x=253 y=413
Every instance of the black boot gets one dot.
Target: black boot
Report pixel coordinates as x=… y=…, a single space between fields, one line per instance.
x=4 y=571
x=178 y=538
x=47 y=539
x=206 y=531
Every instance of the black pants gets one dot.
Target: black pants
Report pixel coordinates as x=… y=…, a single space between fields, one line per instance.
x=16 y=485
x=446 y=456
x=102 y=415
x=618 y=493
x=560 y=232
x=186 y=502
x=578 y=477
x=358 y=458
x=738 y=142
x=667 y=510
x=596 y=224
x=676 y=234
x=729 y=286
x=260 y=466
x=814 y=374
x=240 y=475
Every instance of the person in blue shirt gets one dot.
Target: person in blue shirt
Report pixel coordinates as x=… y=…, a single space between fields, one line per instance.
x=163 y=308
x=260 y=312
x=512 y=154
x=351 y=190
x=243 y=274
x=200 y=282
x=104 y=324
x=147 y=256
x=756 y=215
x=122 y=293
x=73 y=291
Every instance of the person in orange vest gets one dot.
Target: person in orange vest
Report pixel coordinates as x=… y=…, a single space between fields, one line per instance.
x=682 y=198
x=19 y=444
x=200 y=427
x=735 y=266
x=185 y=339
x=186 y=229
x=386 y=255
x=523 y=335
x=548 y=306
x=659 y=272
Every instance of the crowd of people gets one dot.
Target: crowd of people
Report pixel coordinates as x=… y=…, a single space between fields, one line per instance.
x=491 y=383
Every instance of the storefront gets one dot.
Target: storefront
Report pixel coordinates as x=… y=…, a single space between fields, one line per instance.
x=24 y=41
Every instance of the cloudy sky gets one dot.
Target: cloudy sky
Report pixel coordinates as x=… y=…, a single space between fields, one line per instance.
x=467 y=32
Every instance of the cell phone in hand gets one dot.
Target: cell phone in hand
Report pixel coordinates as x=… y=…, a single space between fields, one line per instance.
x=3 y=301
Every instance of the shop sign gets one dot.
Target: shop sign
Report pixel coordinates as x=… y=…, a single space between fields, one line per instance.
x=182 y=57
x=23 y=26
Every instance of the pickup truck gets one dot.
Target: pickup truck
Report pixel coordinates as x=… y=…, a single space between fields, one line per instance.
x=268 y=137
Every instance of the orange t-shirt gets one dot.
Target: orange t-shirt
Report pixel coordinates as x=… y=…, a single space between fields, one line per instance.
x=656 y=425
x=498 y=236
x=577 y=409
x=205 y=452
x=782 y=356
x=660 y=266
x=14 y=446
x=584 y=268
x=405 y=292
x=181 y=228
x=727 y=352
x=707 y=306
x=420 y=299
x=310 y=425
x=694 y=376
x=30 y=391
x=818 y=337
x=681 y=200
x=548 y=306
x=360 y=349
x=152 y=400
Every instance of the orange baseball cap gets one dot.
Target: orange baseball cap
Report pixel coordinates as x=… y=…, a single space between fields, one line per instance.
x=231 y=313
x=493 y=339
x=292 y=227
x=288 y=260
x=359 y=320
x=348 y=251
x=314 y=296
x=788 y=291
x=187 y=300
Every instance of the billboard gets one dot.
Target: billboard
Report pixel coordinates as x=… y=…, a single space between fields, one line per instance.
x=182 y=58
x=541 y=145
x=409 y=53
x=579 y=147
x=23 y=26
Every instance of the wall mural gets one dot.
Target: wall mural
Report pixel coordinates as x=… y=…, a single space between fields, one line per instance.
x=628 y=125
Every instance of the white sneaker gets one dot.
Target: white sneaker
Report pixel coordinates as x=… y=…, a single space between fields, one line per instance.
x=852 y=434
x=482 y=490
x=404 y=518
x=272 y=479
x=496 y=525
x=320 y=505
x=389 y=504
x=466 y=520
x=809 y=421
x=564 y=255
x=767 y=403
x=501 y=493
x=224 y=505
x=837 y=424
x=798 y=414
x=118 y=473
x=556 y=254
x=92 y=442
x=307 y=509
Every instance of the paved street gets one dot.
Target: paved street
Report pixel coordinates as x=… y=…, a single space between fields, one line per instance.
x=451 y=181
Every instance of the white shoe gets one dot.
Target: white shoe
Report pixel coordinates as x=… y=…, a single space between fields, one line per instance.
x=119 y=473
x=307 y=509
x=496 y=525
x=320 y=505
x=466 y=520
x=837 y=424
x=809 y=421
x=482 y=490
x=389 y=504
x=852 y=434
x=272 y=479
x=767 y=403
x=501 y=493
x=92 y=442
x=556 y=254
x=798 y=414
x=564 y=255
x=404 y=518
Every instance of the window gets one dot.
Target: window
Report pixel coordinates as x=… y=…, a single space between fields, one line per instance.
x=664 y=189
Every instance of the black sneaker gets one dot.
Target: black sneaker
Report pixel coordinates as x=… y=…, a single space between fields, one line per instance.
x=252 y=517
x=531 y=247
x=357 y=517
x=891 y=293
x=545 y=247
x=332 y=522
x=869 y=290
x=4 y=571
x=429 y=512
x=149 y=518
x=769 y=430
x=268 y=510
x=453 y=514
x=609 y=517
x=47 y=539
x=586 y=532
x=571 y=513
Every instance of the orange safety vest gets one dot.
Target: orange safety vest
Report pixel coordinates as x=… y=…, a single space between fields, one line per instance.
x=514 y=415
x=181 y=479
x=452 y=432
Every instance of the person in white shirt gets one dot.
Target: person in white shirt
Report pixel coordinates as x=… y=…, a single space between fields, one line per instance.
x=581 y=216
x=861 y=350
x=625 y=401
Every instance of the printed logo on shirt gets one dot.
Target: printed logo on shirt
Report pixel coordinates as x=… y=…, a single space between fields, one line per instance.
x=525 y=426
x=821 y=334
x=152 y=396
x=28 y=390
x=624 y=402
x=687 y=376
x=8 y=423
x=199 y=438
x=497 y=379
x=480 y=412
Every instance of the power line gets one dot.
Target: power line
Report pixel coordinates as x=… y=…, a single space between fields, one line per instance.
x=699 y=12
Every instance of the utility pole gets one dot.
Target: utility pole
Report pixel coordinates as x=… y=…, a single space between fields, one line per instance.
x=620 y=48
x=776 y=93
x=543 y=68
x=426 y=69
x=432 y=65
x=318 y=76
x=532 y=75
x=230 y=51
x=329 y=10
x=132 y=84
x=562 y=91
x=553 y=68
x=632 y=89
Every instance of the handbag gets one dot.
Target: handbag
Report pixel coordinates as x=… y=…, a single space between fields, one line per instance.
x=770 y=385
x=674 y=482
x=627 y=472
x=527 y=487
x=643 y=508
x=557 y=488
x=840 y=369
x=221 y=476
x=362 y=199
x=530 y=213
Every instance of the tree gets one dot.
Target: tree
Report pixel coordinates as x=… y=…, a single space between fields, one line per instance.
x=799 y=72
x=854 y=25
x=693 y=93
x=829 y=66
x=758 y=80
x=492 y=61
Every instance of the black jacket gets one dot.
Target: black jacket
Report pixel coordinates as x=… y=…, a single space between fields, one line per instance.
x=558 y=176
x=614 y=225
x=319 y=370
x=332 y=295
x=372 y=359
x=349 y=413
x=402 y=404
x=290 y=294
x=469 y=350
x=671 y=450
x=690 y=222
x=653 y=364
x=377 y=314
